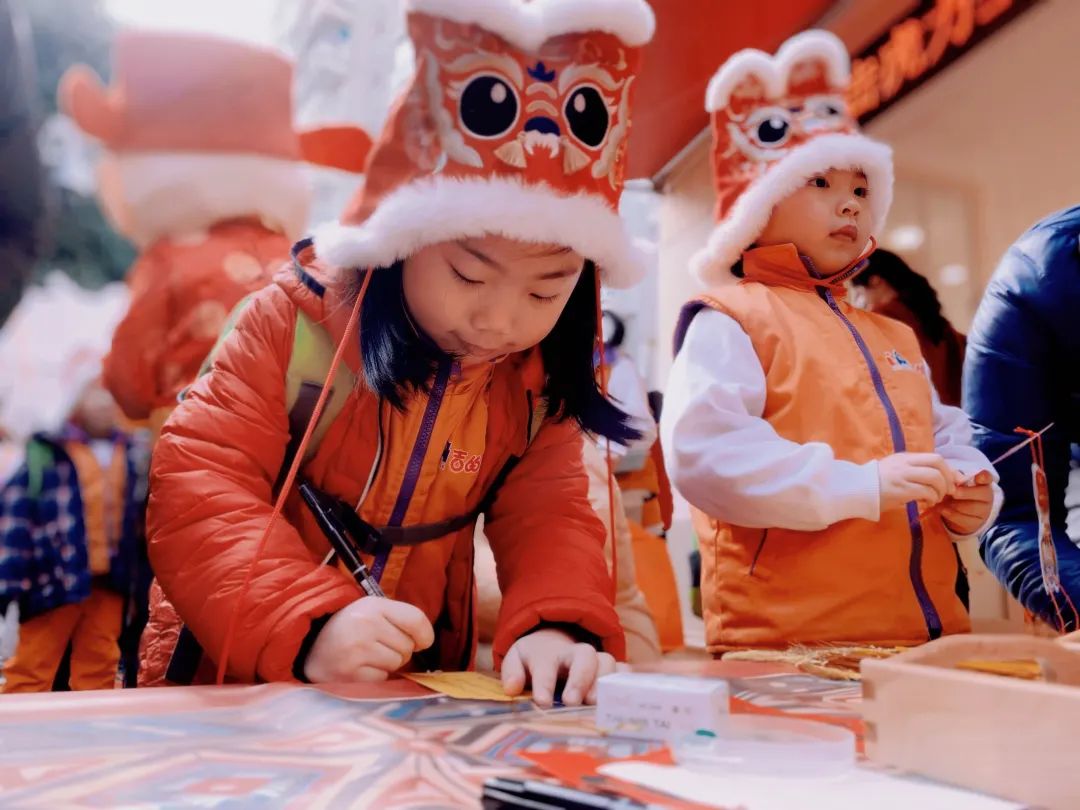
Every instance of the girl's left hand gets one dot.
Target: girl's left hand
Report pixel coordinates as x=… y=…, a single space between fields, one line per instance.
x=542 y=656
x=965 y=512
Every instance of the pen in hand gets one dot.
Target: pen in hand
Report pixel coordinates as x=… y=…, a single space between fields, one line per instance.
x=336 y=532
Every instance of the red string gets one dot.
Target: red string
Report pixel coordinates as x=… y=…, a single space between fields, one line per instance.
x=1072 y=607
x=290 y=479
x=610 y=465
x=1039 y=457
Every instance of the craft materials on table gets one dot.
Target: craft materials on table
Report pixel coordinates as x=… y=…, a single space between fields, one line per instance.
x=944 y=710
x=465 y=686
x=530 y=794
x=833 y=662
x=769 y=747
x=659 y=707
x=386 y=745
x=277 y=745
x=691 y=780
x=860 y=789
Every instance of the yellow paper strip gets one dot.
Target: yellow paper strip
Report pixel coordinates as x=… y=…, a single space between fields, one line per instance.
x=464 y=685
x=1027 y=670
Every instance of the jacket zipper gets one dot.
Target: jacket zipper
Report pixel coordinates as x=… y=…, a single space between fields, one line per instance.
x=929 y=611
x=760 y=548
x=416 y=460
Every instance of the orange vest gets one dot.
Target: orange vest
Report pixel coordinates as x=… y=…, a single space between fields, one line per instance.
x=855 y=381
x=102 y=493
x=658 y=507
x=652 y=478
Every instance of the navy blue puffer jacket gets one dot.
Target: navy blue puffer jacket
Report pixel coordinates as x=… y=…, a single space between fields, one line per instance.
x=1023 y=369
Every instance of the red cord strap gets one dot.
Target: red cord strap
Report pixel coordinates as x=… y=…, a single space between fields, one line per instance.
x=290 y=479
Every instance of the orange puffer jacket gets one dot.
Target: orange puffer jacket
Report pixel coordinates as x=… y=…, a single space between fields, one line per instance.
x=220 y=453
x=182 y=292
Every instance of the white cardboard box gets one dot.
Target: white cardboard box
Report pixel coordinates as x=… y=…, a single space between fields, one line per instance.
x=659 y=707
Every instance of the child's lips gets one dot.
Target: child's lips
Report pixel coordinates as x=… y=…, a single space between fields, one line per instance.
x=480 y=352
x=849 y=232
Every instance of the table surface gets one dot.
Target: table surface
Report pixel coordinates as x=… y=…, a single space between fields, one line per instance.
x=393 y=744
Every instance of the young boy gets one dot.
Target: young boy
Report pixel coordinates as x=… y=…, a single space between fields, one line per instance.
x=70 y=549
x=828 y=482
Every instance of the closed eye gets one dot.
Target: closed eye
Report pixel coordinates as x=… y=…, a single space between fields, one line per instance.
x=545 y=299
x=472 y=282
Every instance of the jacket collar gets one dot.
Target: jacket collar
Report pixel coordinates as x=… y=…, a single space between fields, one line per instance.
x=783 y=266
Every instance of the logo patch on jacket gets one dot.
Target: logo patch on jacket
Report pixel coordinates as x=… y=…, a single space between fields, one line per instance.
x=461 y=461
x=897 y=362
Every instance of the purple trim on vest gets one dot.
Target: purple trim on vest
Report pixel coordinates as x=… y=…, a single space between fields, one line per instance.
x=850 y=273
x=610 y=355
x=416 y=460
x=929 y=611
x=686 y=316
x=73 y=433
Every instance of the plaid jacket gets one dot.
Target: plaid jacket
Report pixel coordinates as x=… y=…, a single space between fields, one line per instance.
x=43 y=553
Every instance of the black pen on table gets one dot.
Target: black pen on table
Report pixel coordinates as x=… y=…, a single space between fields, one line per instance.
x=500 y=793
x=337 y=534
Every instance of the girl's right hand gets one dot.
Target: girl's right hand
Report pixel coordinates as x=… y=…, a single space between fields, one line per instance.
x=367 y=641
x=925 y=478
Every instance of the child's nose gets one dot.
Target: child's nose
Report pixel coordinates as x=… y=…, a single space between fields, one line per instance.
x=850 y=206
x=496 y=321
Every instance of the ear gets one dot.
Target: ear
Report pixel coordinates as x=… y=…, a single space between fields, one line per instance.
x=808 y=77
x=814 y=62
x=746 y=79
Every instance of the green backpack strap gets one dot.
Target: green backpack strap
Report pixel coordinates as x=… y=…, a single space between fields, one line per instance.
x=226 y=330
x=39 y=456
x=312 y=354
x=309 y=362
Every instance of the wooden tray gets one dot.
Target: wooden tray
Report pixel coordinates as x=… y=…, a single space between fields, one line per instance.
x=1003 y=736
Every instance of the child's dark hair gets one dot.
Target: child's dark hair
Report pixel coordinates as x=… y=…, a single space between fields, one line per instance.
x=399 y=360
x=913 y=290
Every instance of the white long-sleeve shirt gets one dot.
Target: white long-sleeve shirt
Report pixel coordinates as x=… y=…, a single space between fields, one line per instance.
x=729 y=462
x=627 y=389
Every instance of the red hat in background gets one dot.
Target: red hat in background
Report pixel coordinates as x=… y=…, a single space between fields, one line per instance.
x=196 y=93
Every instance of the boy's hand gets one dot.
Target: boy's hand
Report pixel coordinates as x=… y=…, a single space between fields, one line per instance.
x=921 y=477
x=966 y=511
x=368 y=640
x=542 y=656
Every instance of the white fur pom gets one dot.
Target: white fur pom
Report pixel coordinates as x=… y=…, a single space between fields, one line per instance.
x=438 y=209
x=529 y=24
